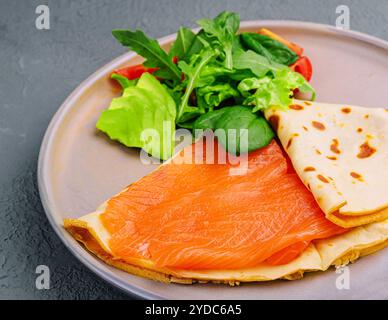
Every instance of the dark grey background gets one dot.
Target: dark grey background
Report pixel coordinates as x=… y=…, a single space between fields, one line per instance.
x=39 y=69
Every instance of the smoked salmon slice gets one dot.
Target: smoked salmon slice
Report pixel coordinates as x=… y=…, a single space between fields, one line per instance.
x=201 y=217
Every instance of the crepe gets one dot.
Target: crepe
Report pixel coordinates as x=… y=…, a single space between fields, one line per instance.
x=340 y=152
x=319 y=256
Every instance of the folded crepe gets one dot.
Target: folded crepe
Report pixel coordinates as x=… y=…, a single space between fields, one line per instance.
x=340 y=152
x=188 y=222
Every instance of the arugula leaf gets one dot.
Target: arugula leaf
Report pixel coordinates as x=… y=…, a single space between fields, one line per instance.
x=182 y=44
x=237 y=128
x=269 y=48
x=149 y=49
x=192 y=72
x=258 y=64
x=223 y=28
x=143 y=117
x=275 y=91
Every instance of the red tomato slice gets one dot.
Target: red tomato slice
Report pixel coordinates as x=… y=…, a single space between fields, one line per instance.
x=304 y=67
x=134 y=72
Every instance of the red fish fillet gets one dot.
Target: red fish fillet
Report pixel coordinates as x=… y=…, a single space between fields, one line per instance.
x=191 y=216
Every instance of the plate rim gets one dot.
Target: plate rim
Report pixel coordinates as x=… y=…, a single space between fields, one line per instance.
x=103 y=71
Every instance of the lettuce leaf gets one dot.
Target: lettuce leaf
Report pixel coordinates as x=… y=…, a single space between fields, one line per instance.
x=273 y=91
x=143 y=117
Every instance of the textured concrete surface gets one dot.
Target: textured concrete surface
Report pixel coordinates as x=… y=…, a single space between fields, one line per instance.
x=38 y=69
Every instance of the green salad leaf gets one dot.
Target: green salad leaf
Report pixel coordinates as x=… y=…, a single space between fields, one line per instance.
x=223 y=29
x=276 y=91
x=149 y=49
x=213 y=95
x=223 y=80
x=269 y=48
x=192 y=72
x=123 y=81
x=237 y=128
x=143 y=117
x=182 y=44
x=258 y=64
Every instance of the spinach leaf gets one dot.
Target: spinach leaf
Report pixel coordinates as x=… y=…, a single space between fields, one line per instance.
x=237 y=128
x=209 y=120
x=151 y=51
x=223 y=28
x=269 y=48
x=182 y=44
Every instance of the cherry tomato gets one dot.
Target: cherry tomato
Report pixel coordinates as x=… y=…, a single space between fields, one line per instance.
x=304 y=67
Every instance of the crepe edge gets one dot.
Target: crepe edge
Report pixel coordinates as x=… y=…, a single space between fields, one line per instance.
x=351 y=221
x=85 y=235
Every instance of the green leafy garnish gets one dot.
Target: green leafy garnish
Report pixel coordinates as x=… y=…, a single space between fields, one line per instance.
x=149 y=49
x=123 y=81
x=237 y=128
x=192 y=71
x=258 y=64
x=222 y=81
x=182 y=44
x=143 y=117
x=269 y=48
x=273 y=91
x=223 y=29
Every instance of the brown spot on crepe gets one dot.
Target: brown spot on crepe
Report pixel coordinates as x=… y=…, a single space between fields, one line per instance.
x=308 y=169
x=308 y=186
x=366 y=116
x=346 y=110
x=289 y=143
x=322 y=178
x=305 y=128
x=274 y=121
x=318 y=125
x=296 y=107
x=317 y=151
x=291 y=139
x=359 y=130
x=307 y=103
x=334 y=146
x=366 y=151
x=331 y=158
x=356 y=175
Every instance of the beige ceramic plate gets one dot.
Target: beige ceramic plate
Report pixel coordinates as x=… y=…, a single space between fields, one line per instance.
x=80 y=168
